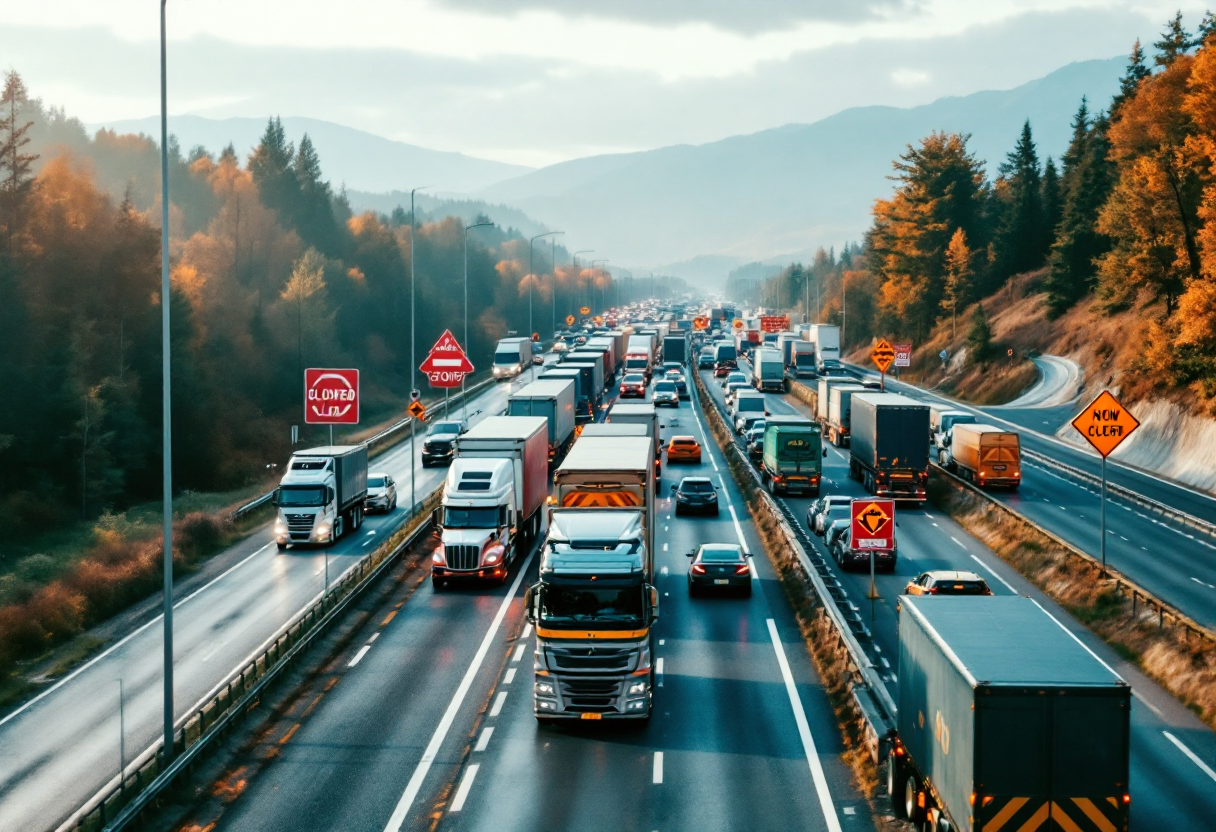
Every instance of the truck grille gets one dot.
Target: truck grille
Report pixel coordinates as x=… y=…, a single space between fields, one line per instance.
x=462 y=557
x=298 y=522
x=614 y=660
x=590 y=694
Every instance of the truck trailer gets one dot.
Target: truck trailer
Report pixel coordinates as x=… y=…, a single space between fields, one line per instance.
x=826 y=339
x=838 y=423
x=552 y=399
x=1005 y=721
x=320 y=497
x=768 y=371
x=584 y=404
x=676 y=348
x=646 y=415
x=793 y=455
x=609 y=473
x=802 y=364
x=580 y=357
x=888 y=453
x=985 y=455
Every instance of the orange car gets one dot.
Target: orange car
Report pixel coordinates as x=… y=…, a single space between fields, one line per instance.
x=683 y=449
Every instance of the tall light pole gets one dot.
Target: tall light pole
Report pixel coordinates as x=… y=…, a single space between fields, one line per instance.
x=575 y=260
x=166 y=402
x=413 y=361
x=553 y=287
x=467 y=229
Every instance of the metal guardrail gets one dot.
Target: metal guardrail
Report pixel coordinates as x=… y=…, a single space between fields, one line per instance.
x=391 y=430
x=870 y=693
x=116 y=808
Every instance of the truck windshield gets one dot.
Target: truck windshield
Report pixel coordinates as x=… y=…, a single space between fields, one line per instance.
x=571 y=604
x=506 y=358
x=481 y=517
x=312 y=495
x=804 y=359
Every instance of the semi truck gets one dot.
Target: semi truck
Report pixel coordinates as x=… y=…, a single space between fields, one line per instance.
x=511 y=357
x=1005 y=721
x=837 y=425
x=826 y=339
x=802 y=359
x=585 y=404
x=887 y=449
x=985 y=455
x=768 y=371
x=611 y=357
x=793 y=455
x=726 y=358
x=320 y=497
x=554 y=400
x=609 y=472
x=492 y=499
x=646 y=415
x=823 y=395
x=676 y=348
x=579 y=357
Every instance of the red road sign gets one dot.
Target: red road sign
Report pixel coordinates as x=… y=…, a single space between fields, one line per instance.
x=446 y=365
x=774 y=323
x=903 y=355
x=873 y=524
x=331 y=397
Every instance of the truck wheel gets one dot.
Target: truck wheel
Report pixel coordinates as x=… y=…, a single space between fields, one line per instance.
x=894 y=778
x=282 y=546
x=912 y=809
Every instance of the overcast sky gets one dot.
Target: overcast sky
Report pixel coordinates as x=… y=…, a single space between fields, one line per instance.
x=540 y=81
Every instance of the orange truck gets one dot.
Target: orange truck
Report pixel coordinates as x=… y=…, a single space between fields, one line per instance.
x=986 y=455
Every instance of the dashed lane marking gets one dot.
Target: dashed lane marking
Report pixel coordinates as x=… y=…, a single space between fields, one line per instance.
x=499 y=701
x=484 y=740
x=466 y=783
x=359 y=656
x=657 y=776
x=509 y=677
x=519 y=652
x=659 y=669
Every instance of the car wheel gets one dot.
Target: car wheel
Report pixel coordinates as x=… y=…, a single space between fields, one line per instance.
x=678 y=512
x=912 y=810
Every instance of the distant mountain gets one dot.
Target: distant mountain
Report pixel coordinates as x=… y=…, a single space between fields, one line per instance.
x=789 y=189
x=362 y=161
x=430 y=208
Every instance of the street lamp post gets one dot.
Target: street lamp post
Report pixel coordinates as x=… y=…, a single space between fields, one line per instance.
x=413 y=361
x=532 y=275
x=553 y=286
x=467 y=229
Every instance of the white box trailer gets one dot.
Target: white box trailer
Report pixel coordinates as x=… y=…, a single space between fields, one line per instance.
x=553 y=400
x=610 y=473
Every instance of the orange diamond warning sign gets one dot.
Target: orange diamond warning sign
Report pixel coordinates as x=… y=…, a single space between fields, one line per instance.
x=417 y=410
x=873 y=524
x=882 y=355
x=1105 y=423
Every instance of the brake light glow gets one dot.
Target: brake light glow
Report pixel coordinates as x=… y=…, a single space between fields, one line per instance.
x=698 y=569
x=741 y=569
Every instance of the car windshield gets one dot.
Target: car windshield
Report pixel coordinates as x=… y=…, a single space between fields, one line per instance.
x=446 y=427
x=631 y=379
x=840 y=510
x=506 y=358
x=563 y=603
x=311 y=495
x=665 y=387
x=375 y=482
x=696 y=486
x=484 y=517
x=721 y=554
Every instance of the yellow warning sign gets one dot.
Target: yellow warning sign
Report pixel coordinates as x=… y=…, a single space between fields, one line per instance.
x=873 y=519
x=1105 y=423
x=569 y=320
x=417 y=410
x=882 y=355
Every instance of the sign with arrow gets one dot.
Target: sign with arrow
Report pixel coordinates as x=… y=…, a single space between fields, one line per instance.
x=417 y=410
x=446 y=365
x=883 y=355
x=873 y=524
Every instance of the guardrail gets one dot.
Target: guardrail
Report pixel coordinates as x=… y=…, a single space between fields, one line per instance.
x=144 y=780
x=876 y=707
x=391 y=430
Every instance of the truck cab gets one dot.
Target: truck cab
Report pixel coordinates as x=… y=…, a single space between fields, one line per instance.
x=511 y=357
x=320 y=497
x=477 y=521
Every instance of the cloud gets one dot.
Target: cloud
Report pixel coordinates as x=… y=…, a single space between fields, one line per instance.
x=904 y=77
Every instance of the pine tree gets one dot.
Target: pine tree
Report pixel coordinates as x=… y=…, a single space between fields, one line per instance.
x=1207 y=27
x=1136 y=72
x=1175 y=41
x=270 y=164
x=314 y=212
x=979 y=337
x=1022 y=237
x=1053 y=200
x=16 y=180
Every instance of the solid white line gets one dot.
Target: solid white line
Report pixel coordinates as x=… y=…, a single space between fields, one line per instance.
x=484 y=740
x=738 y=530
x=466 y=783
x=1077 y=640
x=1194 y=758
x=449 y=716
x=992 y=572
x=130 y=636
x=658 y=671
x=359 y=656
x=804 y=731
x=519 y=652
x=751 y=567
x=499 y=701
x=658 y=768
x=1148 y=705
x=509 y=677
x=366 y=543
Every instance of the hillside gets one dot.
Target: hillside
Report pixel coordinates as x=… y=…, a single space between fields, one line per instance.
x=362 y=161
x=789 y=189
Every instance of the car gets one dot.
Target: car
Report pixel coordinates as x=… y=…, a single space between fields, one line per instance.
x=633 y=386
x=836 y=526
x=723 y=369
x=381 y=493
x=665 y=393
x=683 y=449
x=754 y=440
x=580 y=340
x=746 y=422
x=817 y=513
x=733 y=376
x=681 y=386
x=705 y=361
x=732 y=388
x=560 y=346
x=719 y=566
x=947 y=582
x=672 y=366
x=845 y=555
x=439 y=445
x=695 y=494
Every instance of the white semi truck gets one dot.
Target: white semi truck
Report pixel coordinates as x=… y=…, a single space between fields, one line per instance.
x=320 y=498
x=511 y=357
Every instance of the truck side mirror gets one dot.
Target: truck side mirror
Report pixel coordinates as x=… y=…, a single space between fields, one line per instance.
x=529 y=599
x=274 y=497
x=690 y=554
x=654 y=603
x=437 y=518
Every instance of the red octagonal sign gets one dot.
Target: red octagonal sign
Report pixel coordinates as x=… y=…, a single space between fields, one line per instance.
x=331 y=397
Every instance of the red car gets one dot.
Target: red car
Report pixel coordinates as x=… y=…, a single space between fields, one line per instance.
x=724 y=368
x=633 y=386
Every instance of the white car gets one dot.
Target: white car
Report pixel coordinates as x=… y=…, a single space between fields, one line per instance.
x=381 y=493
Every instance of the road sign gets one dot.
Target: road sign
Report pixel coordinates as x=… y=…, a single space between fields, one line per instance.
x=599 y=320
x=446 y=365
x=738 y=324
x=882 y=355
x=570 y=320
x=1105 y=423
x=331 y=397
x=584 y=310
x=903 y=355
x=417 y=410
x=700 y=323
x=774 y=323
x=873 y=524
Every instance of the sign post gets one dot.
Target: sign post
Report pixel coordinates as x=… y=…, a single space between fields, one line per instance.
x=872 y=528
x=1105 y=423
x=883 y=355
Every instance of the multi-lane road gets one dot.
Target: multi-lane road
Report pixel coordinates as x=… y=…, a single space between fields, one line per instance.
x=1173 y=767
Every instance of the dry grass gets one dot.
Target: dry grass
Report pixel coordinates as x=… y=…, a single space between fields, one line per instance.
x=1185 y=667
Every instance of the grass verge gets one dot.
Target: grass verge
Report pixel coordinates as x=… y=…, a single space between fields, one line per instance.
x=1185 y=666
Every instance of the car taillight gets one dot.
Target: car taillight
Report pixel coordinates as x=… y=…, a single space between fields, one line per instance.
x=741 y=569
x=698 y=569
x=933 y=590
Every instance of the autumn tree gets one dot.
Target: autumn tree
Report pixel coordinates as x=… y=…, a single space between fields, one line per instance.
x=958 y=276
x=15 y=162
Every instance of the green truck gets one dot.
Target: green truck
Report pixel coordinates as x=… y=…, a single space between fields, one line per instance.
x=1005 y=722
x=793 y=455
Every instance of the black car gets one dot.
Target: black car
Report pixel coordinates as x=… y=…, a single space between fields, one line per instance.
x=719 y=566
x=439 y=447
x=696 y=494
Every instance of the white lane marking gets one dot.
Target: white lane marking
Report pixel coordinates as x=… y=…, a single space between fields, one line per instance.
x=885 y=663
x=658 y=768
x=658 y=670
x=992 y=572
x=484 y=740
x=527 y=630
x=1148 y=704
x=499 y=701
x=959 y=542
x=935 y=524
x=1077 y=640
x=509 y=677
x=373 y=638
x=449 y=716
x=519 y=652
x=466 y=783
x=1194 y=758
x=804 y=731
x=1203 y=583
x=849 y=810
x=738 y=530
x=366 y=543
x=130 y=636
x=359 y=656
x=725 y=492
x=664 y=528
x=751 y=567
x=664 y=549
x=927 y=514
x=372 y=532
x=663 y=571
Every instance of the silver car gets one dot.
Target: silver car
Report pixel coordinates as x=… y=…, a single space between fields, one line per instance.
x=816 y=518
x=838 y=528
x=381 y=494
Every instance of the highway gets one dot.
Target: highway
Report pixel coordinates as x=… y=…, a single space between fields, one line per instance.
x=428 y=723
x=1170 y=560
x=62 y=747
x=1169 y=790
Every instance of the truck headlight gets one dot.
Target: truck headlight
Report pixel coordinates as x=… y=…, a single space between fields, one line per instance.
x=323 y=529
x=438 y=557
x=279 y=526
x=544 y=688
x=637 y=687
